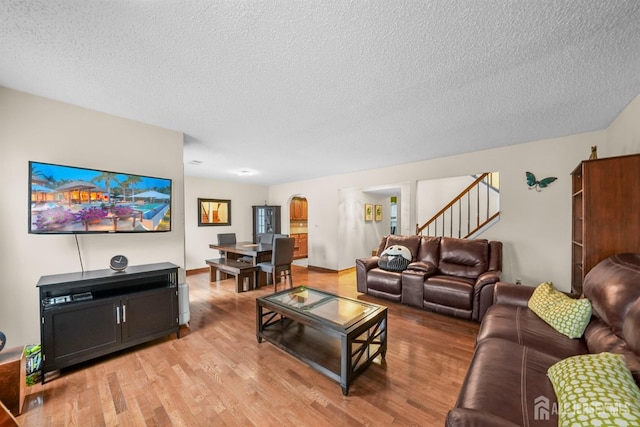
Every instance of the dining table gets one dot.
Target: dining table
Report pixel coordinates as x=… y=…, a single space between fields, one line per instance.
x=259 y=252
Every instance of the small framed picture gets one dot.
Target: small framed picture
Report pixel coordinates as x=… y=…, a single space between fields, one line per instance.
x=378 y=212
x=368 y=212
x=214 y=212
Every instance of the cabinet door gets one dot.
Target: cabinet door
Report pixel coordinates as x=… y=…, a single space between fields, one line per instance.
x=304 y=252
x=149 y=313
x=298 y=209
x=77 y=332
x=296 y=245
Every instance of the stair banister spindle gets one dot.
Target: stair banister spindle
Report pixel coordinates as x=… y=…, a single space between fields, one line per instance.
x=459 y=218
x=477 y=205
x=489 y=179
x=468 y=212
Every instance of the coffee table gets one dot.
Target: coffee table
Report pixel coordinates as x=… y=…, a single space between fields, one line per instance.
x=337 y=336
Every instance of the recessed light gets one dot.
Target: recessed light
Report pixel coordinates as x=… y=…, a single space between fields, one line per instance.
x=246 y=172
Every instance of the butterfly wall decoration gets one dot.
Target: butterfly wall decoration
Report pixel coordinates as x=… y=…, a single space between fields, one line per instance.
x=538 y=185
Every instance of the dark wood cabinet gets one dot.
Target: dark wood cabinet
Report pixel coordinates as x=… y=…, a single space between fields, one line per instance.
x=266 y=219
x=605 y=212
x=94 y=313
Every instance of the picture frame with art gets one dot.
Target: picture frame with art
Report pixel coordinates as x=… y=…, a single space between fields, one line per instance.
x=378 y=212
x=214 y=212
x=368 y=212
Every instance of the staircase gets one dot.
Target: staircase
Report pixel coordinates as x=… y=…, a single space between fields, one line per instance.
x=472 y=211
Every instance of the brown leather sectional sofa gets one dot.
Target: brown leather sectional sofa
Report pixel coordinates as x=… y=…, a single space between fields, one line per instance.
x=447 y=275
x=507 y=383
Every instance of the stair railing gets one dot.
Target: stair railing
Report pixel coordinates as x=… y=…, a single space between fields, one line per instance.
x=478 y=194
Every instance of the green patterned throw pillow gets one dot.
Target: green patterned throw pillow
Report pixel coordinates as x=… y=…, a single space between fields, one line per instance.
x=595 y=390
x=566 y=315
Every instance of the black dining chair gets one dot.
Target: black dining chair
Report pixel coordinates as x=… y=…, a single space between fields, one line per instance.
x=281 y=259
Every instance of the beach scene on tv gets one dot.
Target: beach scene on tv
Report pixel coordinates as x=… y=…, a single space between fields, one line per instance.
x=66 y=199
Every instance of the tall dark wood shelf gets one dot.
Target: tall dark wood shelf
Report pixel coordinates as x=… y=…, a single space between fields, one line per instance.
x=90 y=314
x=605 y=212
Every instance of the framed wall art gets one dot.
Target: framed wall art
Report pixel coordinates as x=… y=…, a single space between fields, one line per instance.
x=368 y=212
x=214 y=212
x=378 y=212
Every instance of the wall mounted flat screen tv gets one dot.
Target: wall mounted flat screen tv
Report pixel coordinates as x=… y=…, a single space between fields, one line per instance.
x=69 y=199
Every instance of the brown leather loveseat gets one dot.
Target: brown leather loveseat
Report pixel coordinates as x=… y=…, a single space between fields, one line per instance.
x=447 y=275
x=507 y=383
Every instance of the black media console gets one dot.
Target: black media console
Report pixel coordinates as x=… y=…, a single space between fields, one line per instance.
x=94 y=313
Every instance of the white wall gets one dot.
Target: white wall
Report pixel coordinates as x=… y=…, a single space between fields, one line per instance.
x=534 y=226
x=242 y=197
x=623 y=135
x=34 y=128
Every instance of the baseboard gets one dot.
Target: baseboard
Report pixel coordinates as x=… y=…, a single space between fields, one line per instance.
x=310 y=267
x=197 y=271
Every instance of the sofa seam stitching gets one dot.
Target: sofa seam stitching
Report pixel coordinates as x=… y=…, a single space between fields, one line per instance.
x=523 y=388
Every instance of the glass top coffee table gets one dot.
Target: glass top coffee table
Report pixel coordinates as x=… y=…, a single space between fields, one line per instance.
x=337 y=336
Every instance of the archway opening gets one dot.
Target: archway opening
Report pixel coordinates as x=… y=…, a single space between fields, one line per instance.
x=298 y=228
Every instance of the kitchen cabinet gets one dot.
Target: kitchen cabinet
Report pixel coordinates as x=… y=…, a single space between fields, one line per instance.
x=301 y=245
x=298 y=209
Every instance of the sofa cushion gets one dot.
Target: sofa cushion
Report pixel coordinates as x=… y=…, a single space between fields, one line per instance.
x=613 y=286
x=463 y=257
x=387 y=282
x=522 y=326
x=429 y=250
x=508 y=380
x=566 y=315
x=450 y=291
x=600 y=338
x=595 y=389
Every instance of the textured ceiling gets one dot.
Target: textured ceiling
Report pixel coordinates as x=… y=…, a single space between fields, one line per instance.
x=299 y=89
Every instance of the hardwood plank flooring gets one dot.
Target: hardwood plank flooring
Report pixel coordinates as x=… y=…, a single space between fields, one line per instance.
x=217 y=374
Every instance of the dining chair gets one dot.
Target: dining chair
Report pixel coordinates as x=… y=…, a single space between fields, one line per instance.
x=265 y=238
x=226 y=239
x=281 y=259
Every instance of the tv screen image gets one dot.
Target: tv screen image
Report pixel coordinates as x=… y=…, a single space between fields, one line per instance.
x=69 y=199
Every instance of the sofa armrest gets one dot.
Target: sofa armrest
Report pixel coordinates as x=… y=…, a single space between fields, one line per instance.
x=422 y=266
x=483 y=293
x=491 y=276
x=512 y=294
x=363 y=265
x=465 y=417
x=413 y=287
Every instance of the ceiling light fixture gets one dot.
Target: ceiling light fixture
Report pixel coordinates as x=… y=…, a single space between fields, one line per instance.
x=195 y=162
x=246 y=172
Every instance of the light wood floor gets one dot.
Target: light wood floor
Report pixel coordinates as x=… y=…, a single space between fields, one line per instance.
x=218 y=374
